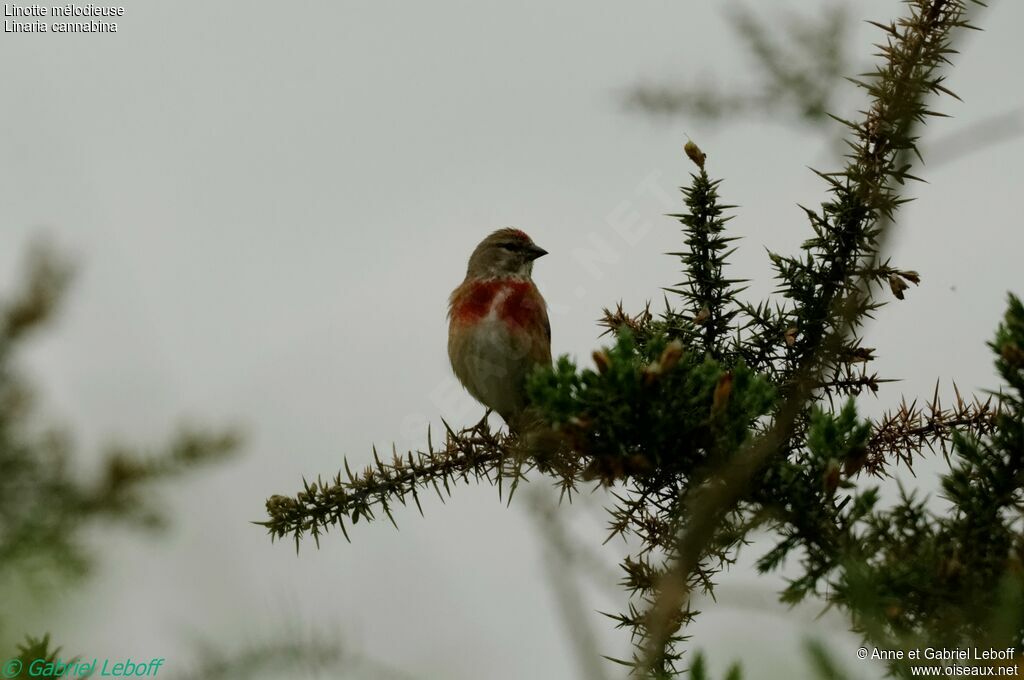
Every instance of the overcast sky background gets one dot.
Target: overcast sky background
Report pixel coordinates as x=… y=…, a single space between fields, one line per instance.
x=269 y=203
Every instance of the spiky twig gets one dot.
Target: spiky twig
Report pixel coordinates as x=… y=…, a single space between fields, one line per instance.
x=478 y=453
x=912 y=428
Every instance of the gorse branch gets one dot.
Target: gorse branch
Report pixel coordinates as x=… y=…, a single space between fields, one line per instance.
x=912 y=428
x=476 y=453
x=829 y=298
x=708 y=295
x=719 y=417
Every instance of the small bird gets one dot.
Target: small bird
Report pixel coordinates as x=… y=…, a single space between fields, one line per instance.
x=498 y=328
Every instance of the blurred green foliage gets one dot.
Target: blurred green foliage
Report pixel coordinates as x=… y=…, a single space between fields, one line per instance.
x=47 y=499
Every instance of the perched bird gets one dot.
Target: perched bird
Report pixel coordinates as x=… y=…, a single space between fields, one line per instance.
x=498 y=328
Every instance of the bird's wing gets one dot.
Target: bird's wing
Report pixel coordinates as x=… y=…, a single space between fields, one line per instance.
x=546 y=325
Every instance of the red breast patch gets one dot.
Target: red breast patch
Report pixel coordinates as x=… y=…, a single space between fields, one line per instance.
x=519 y=307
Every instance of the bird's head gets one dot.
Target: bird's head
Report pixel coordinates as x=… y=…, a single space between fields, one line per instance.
x=506 y=252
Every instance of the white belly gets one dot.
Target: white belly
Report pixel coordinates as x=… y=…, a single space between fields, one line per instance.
x=492 y=361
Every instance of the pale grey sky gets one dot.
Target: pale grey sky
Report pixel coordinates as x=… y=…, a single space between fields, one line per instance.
x=269 y=204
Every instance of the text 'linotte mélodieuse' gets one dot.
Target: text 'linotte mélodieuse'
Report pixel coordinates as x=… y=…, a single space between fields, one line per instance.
x=88 y=18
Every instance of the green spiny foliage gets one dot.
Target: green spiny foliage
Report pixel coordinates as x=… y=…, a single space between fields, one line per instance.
x=799 y=494
x=34 y=649
x=708 y=296
x=652 y=411
x=669 y=403
x=911 y=577
x=954 y=578
x=718 y=418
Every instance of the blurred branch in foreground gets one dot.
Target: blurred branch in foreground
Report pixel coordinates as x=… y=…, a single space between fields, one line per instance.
x=45 y=504
x=798 y=74
x=799 y=80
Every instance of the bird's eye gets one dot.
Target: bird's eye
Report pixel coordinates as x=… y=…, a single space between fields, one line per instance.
x=507 y=246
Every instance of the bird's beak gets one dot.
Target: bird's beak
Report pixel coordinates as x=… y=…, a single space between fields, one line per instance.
x=536 y=251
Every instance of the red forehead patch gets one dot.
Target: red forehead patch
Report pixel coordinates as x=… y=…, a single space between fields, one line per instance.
x=519 y=233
